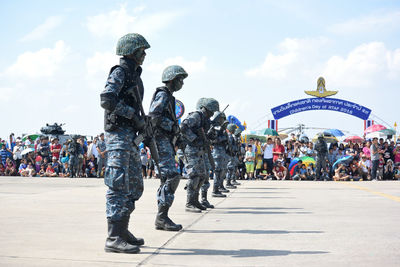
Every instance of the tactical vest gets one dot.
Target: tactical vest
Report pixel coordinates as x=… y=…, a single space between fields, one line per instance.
x=111 y=120
x=169 y=111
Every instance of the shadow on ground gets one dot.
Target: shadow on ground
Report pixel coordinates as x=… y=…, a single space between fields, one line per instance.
x=240 y=253
x=234 y=196
x=259 y=208
x=253 y=232
x=258 y=212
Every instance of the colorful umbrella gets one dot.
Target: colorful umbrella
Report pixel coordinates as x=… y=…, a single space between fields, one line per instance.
x=374 y=128
x=32 y=136
x=334 y=132
x=344 y=160
x=27 y=150
x=305 y=160
x=270 y=131
x=354 y=139
x=283 y=136
x=293 y=165
x=387 y=132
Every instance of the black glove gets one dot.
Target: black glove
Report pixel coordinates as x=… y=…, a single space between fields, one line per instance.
x=175 y=129
x=138 y=123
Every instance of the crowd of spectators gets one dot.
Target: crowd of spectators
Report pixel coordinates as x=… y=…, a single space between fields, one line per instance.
x=46 y=157
x=371 y=160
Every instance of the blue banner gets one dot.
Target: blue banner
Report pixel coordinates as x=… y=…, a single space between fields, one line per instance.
x=332 y=104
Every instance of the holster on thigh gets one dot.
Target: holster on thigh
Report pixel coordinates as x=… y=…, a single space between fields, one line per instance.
x=116 y=175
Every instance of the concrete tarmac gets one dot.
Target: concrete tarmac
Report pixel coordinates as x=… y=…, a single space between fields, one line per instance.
x=61 y=222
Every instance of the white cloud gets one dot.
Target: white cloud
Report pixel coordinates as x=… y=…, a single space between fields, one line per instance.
x=293 y=53
x=365 y=65
x=6 y=93
x=101 y=63
x=189 y=66
x=378 y=22
x=116 y=23
x=43 y=29
x=97 y=68
x=42 y=63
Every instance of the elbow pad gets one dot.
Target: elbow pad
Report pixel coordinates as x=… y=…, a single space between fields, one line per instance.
x=108 y=101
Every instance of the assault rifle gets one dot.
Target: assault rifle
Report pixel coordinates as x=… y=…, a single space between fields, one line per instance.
x=207 y=148
x=147 y=136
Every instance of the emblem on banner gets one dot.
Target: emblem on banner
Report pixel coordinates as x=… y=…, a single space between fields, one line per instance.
x=321 y=90
x=179 y=109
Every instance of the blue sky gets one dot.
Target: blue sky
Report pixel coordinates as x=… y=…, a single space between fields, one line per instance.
x=253 y=55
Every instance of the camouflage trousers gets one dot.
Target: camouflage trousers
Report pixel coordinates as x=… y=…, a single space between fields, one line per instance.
x=169 y=176
x=123 y=176
x=320 y=165
x=73 y=165
x=220 y=159
x=232 y=166
x=196 y=169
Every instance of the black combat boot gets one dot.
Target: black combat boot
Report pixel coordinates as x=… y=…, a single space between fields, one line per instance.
x=115 y=241
x=230 y=185
x=163 y=222
x=128 y=236
x=197 y=203
x=223 y=189
x=204 y=200
x=234 y=182
x=217 y=193
x=190 y=207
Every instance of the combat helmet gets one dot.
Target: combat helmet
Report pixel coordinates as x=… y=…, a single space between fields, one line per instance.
x=129 y=43
x=238 y=132
x=218 y=118
x=304 y=139
x=231 y=127
x=171 y=72
x=210 y=104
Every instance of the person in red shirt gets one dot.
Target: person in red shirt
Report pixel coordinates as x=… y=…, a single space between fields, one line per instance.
x=279 y=171
x=55 y=148
x=278 y=149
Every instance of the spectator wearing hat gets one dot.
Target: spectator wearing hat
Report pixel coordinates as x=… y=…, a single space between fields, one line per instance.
x=56 y=165
x=43 y=148
x=365 y=167
x=17 y=152
x=101 y=159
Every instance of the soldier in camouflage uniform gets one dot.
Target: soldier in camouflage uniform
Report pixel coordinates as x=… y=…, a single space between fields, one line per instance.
x=322 y=153
x=232 y=155
x=192 y=129
x=220 y=145
x=121 y=100
x=162 y=113
x=73 y=151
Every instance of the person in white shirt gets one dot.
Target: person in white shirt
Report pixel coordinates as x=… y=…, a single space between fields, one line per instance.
x=17 y=152
x=268 y=155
